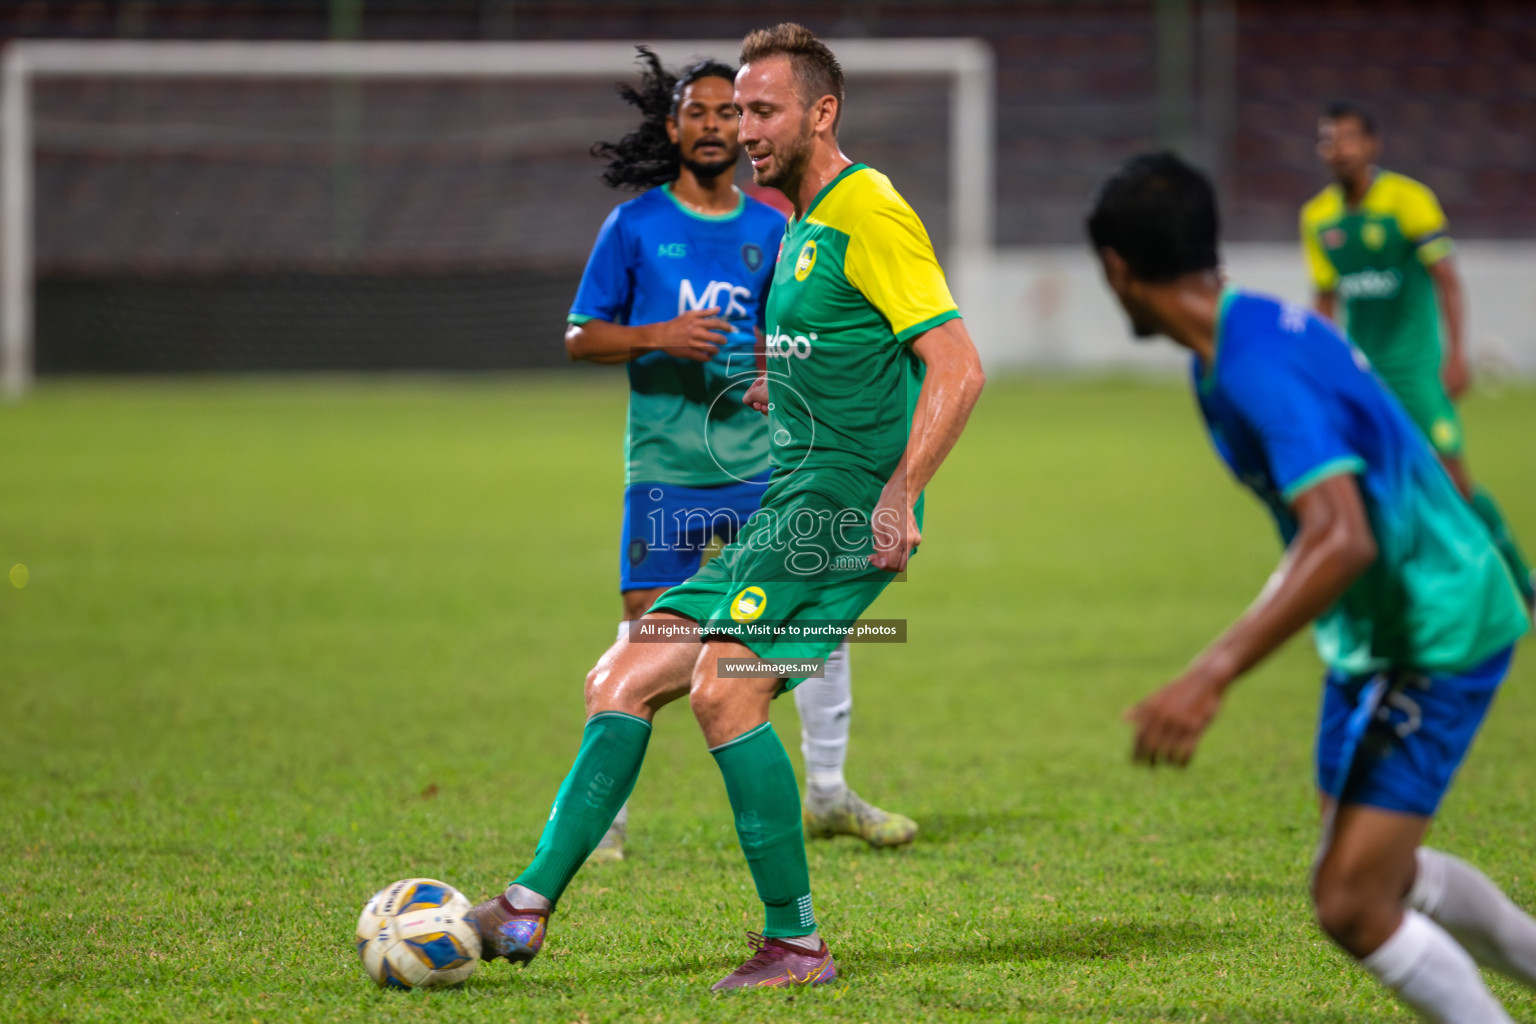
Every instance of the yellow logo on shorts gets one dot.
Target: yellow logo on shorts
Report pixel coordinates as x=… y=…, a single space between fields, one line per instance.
x=1373 y=235
x=1443 y=433
x=749 y=604
x=805 y=261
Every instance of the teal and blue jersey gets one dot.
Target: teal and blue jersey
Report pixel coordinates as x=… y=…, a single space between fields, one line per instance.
x=1288 y=402
x=654 y=260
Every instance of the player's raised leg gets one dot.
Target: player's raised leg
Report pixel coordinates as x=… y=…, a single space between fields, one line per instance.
x=1366 y=868
x=610 y=849
x=623 y=692
x=831 y=807
x=733 y=713
x=1463 y=901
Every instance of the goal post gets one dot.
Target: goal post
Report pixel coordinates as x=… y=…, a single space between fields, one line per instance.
x=966 y=64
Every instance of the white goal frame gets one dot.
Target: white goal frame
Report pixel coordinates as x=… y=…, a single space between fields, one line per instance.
x=966 y=63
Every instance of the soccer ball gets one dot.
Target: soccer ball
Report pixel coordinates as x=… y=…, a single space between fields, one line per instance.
x=413 y=934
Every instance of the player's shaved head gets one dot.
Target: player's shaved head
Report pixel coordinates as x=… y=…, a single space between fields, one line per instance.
x=1159 y=214
x=816 y=68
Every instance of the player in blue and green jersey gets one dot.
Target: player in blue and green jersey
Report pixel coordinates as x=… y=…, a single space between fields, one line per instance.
x=870 y=379
x=1382 y=265
x=676 y=287
x=1416 y=613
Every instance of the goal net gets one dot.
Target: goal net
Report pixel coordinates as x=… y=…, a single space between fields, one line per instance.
x=174 y=207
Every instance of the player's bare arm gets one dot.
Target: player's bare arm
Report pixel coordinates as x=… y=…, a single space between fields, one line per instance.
x=696 y=334
x=1332 y=548
x=951 y=385
x=1327 y=304
x=1455 y=371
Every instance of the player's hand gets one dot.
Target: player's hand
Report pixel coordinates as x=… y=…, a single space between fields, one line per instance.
x=757 y=395
x=696 y=334
x=1456 y=375
x=1169 y=723
x=894 y=525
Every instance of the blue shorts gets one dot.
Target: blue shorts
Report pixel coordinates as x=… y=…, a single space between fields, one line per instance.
x=1395 y=739
x=667 y=527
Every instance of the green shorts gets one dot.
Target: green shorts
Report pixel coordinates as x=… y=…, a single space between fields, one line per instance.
x=791 y=585
x=1423 y=395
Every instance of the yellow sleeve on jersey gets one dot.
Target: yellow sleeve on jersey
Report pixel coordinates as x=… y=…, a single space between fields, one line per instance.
x=1423 y=222
x=1419 y=216
x=891 y=262
x=1317 y=212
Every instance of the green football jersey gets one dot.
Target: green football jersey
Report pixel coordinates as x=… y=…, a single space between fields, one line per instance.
x=1375 y=258
x=855 y=282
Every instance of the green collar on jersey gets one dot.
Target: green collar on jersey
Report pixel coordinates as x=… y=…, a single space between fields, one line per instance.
x=828 y=187
x=741 y=204
x=1208 y=378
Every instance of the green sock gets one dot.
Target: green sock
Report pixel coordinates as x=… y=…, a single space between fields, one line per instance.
x=766 y=803
x=1488 y=511
x=612 y=750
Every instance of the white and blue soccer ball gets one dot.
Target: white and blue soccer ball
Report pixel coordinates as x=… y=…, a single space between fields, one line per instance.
x=413 y=934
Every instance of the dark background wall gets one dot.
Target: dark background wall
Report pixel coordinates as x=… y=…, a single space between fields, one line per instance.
x=1080 y=85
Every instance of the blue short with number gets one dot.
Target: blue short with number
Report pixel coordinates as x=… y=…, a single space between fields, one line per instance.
x=1395 y=739
x=667 y=528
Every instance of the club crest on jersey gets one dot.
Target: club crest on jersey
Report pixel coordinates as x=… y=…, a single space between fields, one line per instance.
x=1333 y=238
x=749 y=604
x=1373 y=235
x=806 y=261
x=752 y=256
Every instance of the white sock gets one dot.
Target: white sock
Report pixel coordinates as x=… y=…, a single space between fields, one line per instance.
x=826 y=709
x=1464 y=902
x=1432 y=974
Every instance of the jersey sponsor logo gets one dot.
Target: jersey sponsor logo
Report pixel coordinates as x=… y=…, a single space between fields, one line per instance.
x=781 y=346
x=1293 y=319
x=806 y=261
x=1333 y=238
x=1370 y=284
x=752 y=256
x=672 y=250
x=721 y=295
x=1373 y=235
x=749 y=604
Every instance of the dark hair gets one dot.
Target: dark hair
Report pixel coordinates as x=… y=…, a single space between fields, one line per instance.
x=1338 y=110
x=645 y=157
x=1159 y=214
x=817 y=72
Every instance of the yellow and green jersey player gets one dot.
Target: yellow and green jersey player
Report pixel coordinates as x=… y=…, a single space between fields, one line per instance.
x=855 y=284
x=1382 y=264
x=871 y=379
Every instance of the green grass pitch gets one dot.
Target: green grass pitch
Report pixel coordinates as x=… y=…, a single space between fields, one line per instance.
x=285 y=641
